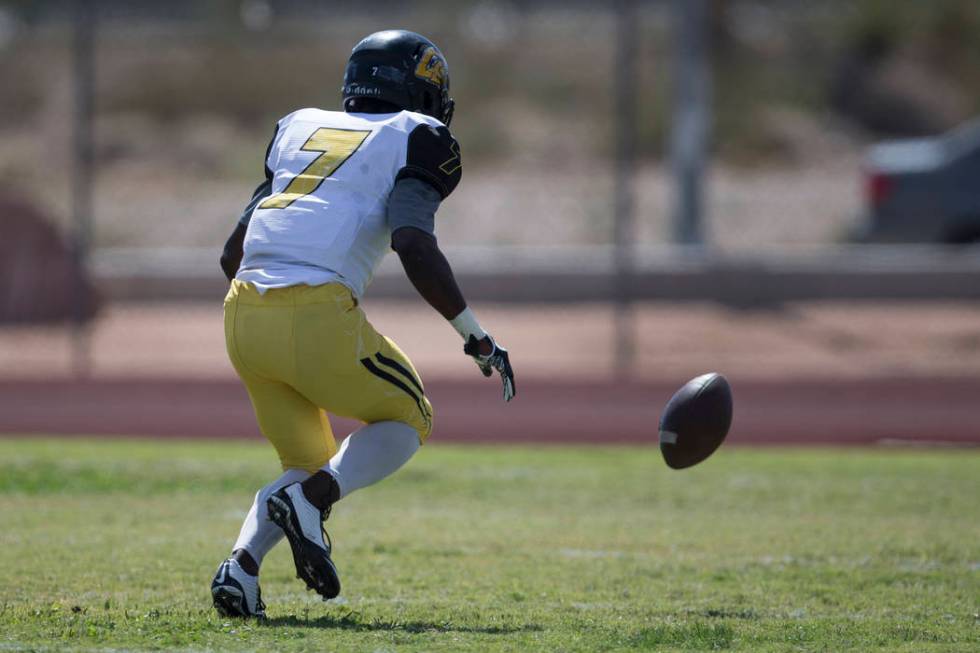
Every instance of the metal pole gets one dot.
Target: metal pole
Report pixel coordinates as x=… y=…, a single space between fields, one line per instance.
x=625 y=76
x=83 y=80
x=692 y=114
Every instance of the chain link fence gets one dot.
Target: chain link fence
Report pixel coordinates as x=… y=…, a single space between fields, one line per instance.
x=186 y=94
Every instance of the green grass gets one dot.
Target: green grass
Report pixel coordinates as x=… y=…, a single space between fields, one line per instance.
x=111 y=545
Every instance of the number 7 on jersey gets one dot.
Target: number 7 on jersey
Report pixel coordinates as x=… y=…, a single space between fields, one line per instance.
x=336 y=146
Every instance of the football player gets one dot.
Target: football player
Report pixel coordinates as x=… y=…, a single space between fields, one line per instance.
x=340 y=188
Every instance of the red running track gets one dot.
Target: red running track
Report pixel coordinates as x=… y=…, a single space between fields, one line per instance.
x=826 y=412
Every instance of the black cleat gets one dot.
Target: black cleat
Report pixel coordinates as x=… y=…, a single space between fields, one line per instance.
x=236 y=593
x=302 y=523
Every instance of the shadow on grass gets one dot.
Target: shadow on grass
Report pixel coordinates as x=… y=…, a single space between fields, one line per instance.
x=353 y=622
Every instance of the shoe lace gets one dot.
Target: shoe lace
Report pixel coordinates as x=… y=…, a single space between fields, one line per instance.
x=259 y=603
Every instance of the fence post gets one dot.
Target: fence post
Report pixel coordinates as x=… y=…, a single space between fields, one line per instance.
x=692 y=113
x=83 y=80
x=626 y=80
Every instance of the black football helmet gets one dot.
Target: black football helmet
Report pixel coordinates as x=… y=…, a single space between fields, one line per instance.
x=402 y=68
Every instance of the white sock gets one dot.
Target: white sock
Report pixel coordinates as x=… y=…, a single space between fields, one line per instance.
x=369 y=454
x=372 y=453
x=259 y=534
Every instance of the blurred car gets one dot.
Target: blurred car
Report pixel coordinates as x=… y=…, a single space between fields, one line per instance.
x=924 y=190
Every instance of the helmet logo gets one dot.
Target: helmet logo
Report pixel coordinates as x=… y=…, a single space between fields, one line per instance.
x=431 y=67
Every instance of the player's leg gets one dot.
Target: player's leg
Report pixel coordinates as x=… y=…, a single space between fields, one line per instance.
x=258 y=535
x=373 y=381
x=344 y=366
x=368 y=455
x=300 y=432
x=372 y=453
x=356 y=372
x=301 y=435
x=235 y=588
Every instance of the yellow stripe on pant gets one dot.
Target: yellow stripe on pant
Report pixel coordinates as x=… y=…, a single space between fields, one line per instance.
x=304 y=350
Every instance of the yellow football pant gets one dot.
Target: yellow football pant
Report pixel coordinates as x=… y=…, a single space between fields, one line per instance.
x=304 y=350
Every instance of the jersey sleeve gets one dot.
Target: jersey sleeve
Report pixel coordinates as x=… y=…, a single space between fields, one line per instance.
x=433 y=156
x=413 y=203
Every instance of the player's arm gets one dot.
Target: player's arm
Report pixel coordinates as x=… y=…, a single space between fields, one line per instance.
x=411 y=211
x=427 y=267
x=431 y=174
x=231 y=256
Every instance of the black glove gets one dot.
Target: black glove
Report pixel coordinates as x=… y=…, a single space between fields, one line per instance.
x=497 y=359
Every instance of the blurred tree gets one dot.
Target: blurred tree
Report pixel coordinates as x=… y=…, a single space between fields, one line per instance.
x=902 y=73
x=38 y=274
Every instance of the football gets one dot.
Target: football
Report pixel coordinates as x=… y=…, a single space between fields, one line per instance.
x=696 y=420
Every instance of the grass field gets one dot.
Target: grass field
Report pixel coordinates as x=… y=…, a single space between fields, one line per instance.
x=111 y=545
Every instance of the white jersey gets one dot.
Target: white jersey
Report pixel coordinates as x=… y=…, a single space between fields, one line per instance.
x=322 y=216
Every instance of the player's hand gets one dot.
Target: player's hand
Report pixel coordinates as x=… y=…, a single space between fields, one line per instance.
x=490 y=356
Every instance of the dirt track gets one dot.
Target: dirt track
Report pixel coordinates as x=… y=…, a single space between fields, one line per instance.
x=675 y=341
x=817 y=373
x=854 y=412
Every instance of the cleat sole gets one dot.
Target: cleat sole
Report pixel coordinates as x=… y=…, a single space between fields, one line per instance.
x=229 y=602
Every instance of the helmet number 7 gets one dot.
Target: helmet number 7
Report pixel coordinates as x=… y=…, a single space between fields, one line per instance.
x=335 y=146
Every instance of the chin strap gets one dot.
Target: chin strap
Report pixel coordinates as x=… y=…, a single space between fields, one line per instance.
x=447 y=112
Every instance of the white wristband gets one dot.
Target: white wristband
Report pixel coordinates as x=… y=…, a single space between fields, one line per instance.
x=465 y=323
